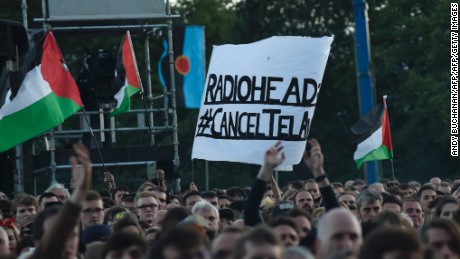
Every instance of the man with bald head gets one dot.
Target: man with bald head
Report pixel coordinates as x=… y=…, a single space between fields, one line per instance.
x=338 y=230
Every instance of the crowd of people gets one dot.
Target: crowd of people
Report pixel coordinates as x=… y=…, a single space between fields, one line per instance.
x=308 y=218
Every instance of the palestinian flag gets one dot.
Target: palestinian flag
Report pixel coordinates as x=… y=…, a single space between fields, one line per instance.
x=47 y=95
x=373 y=136
x=127 y=76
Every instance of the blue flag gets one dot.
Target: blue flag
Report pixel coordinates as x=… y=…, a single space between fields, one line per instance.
x=189 y=68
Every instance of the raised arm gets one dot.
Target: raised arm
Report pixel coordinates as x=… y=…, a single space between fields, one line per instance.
x=314 y=160
x=53 y=243
x=273 y=157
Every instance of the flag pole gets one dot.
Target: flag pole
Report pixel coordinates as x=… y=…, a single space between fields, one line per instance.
x=392 y=169
x=95 y=141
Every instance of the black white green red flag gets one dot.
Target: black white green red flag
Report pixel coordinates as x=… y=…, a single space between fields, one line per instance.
x=373 y=136
x=127 y=76
x=47 y=95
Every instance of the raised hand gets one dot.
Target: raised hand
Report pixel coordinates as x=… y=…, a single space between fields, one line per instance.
x=193 y=187
x=109 y=179
x=272 y=156
x=160 y=174
x=81 y=171
x=314 y=159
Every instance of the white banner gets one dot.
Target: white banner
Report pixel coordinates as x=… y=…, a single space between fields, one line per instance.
x=256 y=94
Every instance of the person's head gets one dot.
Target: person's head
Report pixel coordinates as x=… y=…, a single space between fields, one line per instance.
x=93 y=210
x=119 y=193
x=184 y=241
x=209 y=212
x=392 y=202
x=190 y=198
x=359 y=183
x=311 y=186
x=124 y=245
x=95 y=233
x=173 y=217
x=414 y=210
x=297 y=252
x=24 y=206
x=260 y=242
x=295 y=185
x=425 y=195
x=147 y=206
x=128 y=202
x=286 y=229
x=347 y=198
x=435 y=181
x=146 y=187
x=443 y=236
x=4 y=243
x=288 y=195
x=338 y=187
x=127 y=222
x=389 y=218
x=13 y=235
x=109 y=215
x=302 y=220
x=445 y=187
x=224 y=201
x=446 y=207
x=391 y=242
x=407 y=190
x=338 y=229
x=223 y=244
x=211 y=197
x=378 y=187
x=107 y=203
x=45 y=198
x=226 y=218
x=369 y=203
x=161 y=197
x=160 y=215
x=236 y=193
x=304 y=200
x=45 y=221
x=60 y=191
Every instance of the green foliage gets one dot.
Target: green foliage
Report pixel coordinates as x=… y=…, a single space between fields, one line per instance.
x=409 y=49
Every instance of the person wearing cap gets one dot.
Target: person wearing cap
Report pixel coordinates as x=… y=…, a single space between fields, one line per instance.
x=96 y=232
x=281 y=209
